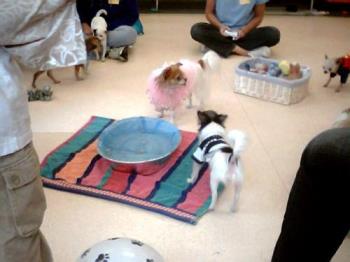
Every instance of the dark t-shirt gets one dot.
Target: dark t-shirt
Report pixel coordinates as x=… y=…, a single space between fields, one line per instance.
x=124 y=13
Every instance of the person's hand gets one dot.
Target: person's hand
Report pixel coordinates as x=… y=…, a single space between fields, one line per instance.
x=86 y=29
x=223 y=28
x=241 y=33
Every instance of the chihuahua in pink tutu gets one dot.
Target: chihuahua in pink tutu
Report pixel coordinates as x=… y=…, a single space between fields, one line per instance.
x=171 y=84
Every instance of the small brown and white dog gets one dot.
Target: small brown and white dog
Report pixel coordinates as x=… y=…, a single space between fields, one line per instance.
x=92 y=44
x=171 y=84
x=343 y=120
x=99 y=29
x=222 y=151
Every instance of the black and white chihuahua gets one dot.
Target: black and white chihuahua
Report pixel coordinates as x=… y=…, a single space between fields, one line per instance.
x=221 y=151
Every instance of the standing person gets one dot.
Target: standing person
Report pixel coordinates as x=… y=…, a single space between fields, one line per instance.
x=121 y=16
x=317 y=217
x=41 y=35
x=242 y=16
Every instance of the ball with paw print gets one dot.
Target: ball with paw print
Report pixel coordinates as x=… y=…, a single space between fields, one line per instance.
x=120 y=249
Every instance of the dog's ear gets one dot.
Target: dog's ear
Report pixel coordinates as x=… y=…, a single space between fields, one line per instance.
x=222 y=118
x=166 y=73
x=202 y=117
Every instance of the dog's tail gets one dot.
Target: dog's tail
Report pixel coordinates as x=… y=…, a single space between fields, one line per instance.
x=238 y=140
x=100 y=12
x=210 y=60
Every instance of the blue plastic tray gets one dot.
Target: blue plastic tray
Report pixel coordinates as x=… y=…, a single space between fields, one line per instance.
x=138 y=140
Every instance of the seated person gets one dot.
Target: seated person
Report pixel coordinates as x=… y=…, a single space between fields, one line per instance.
x=242 y=16
x=121 y=16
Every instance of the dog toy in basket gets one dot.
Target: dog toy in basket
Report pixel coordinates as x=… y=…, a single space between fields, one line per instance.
x=276 y=81
x=337 y=66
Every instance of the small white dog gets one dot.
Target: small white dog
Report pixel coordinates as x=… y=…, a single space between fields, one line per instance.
x=337 y=66
x=171 y=84
x=99 y=29
x=222 y=151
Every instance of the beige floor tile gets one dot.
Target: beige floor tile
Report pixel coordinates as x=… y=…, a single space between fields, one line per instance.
x=277 y=135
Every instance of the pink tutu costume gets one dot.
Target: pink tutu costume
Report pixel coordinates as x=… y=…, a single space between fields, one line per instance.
x=169 y=98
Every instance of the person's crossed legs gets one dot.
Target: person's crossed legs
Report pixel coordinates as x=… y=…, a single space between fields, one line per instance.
x=254 y=44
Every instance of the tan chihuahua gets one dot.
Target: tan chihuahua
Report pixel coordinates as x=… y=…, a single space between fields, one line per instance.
x=92 y=43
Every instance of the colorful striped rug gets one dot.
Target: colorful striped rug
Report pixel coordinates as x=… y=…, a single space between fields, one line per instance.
x=75 y=166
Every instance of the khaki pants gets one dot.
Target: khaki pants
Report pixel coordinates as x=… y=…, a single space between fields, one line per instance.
x=22 y=207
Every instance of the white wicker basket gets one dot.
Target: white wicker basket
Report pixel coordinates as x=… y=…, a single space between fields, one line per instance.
x=274 y=89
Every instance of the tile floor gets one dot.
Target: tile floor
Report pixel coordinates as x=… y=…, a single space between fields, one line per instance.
x=277 y=136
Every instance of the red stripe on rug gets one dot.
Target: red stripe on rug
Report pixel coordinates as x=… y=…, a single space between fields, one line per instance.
x=198 y=195
x=117 y=182
x=144 y=185
x=97 y=173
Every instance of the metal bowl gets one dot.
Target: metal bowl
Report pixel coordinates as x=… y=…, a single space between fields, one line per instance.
x=139 y=143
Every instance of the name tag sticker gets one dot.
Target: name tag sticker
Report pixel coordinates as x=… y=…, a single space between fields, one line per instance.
x=113 y=2
x=244 y=2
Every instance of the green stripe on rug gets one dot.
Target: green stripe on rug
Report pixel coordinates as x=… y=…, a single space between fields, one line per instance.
x=105 y=178
x=64 y=153
x=170 y=190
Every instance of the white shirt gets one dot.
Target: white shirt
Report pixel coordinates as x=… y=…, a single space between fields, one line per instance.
x=15 y=131
x=41 y=35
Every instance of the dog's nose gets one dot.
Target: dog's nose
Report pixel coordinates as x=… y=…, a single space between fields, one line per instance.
x=325 y=72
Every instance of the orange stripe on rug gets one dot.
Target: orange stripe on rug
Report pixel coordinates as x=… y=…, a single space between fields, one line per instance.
x=76 y=167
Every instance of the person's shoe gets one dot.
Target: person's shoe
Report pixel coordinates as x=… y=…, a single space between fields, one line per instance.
x=124 y=55
x=119 y=53
x=263 y=51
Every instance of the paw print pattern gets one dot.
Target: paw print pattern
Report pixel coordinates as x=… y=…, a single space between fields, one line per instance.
x=138 y=243
x=85 y=253
x=102 y=258
x=114 y=238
